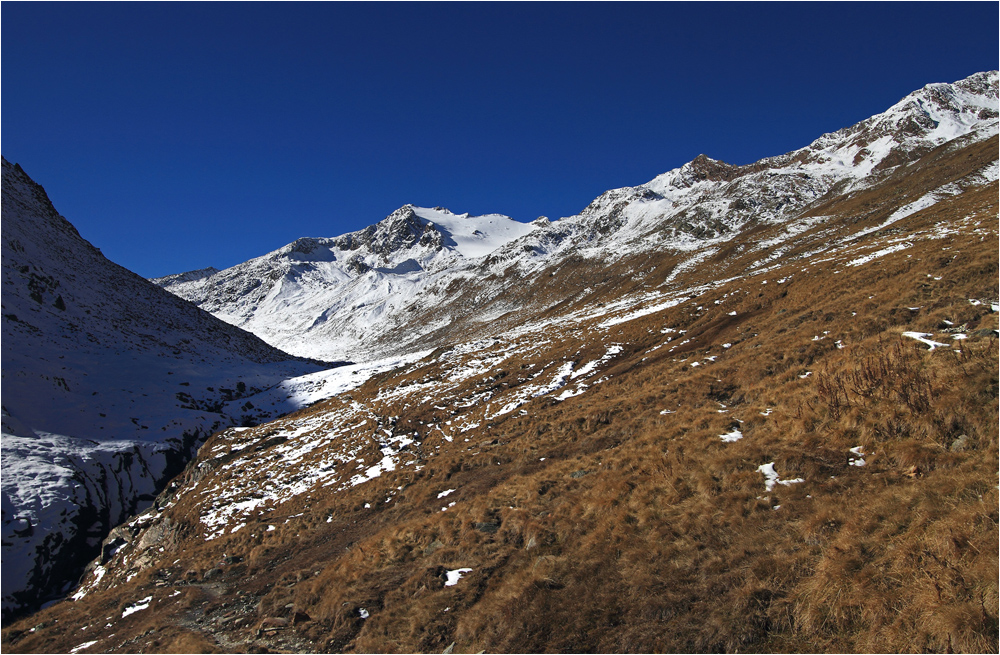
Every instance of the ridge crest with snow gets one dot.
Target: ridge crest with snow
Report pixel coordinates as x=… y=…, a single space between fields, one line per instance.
x=426 y=269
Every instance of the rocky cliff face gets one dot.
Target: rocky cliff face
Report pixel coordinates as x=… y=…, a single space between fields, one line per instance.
x=109 y=386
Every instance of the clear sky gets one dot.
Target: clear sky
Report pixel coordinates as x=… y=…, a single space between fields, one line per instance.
x=179 y=136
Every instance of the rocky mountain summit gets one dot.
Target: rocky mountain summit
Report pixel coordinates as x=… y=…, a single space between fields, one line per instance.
x=736 y=408
x=330 y=297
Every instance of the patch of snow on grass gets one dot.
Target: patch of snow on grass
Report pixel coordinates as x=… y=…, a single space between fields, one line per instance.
x=135 y=607
x=922 y=337
x=771 y=477
x=730 y=437
x=879 y=253
x=386 y=464
x=454 y=576
x=652 y=309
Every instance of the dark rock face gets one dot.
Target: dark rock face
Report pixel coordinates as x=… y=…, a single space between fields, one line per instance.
x=401 y=230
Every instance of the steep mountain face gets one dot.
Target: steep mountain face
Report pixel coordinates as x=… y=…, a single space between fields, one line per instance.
x=109 y=386
x=736 y=408
x=397 y=286
x=329 y=298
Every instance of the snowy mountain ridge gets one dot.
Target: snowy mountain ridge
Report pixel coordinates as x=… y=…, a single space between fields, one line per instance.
x=349 y=296
x=772 y=189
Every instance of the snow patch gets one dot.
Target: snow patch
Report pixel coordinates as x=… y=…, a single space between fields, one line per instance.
x=923 y=337
x=730 y=437
x=454 y=576
x=138 y=606
x=771 y=477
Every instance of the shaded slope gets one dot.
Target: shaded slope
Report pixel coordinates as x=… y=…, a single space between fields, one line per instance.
x=109 y=386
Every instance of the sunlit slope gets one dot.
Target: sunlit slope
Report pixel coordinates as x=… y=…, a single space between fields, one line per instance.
x=784 y=440
x=329 y=298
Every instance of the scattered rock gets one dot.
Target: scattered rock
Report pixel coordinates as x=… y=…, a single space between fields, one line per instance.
x=271 y=624
x=161 y=531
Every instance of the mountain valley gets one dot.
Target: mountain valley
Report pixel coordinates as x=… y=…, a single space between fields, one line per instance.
x=736 y=408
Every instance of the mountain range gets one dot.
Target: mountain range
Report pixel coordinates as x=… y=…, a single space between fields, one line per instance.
x=422 y=276
x=733 y=408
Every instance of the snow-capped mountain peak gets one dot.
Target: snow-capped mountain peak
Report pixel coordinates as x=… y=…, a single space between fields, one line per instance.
x=341 y=286
x=472 y=236
x=425 y=235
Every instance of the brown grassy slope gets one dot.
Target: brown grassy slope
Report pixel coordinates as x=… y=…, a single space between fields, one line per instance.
x=642 y=530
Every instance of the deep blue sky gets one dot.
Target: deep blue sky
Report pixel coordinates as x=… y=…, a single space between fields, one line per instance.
x=178 y=136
